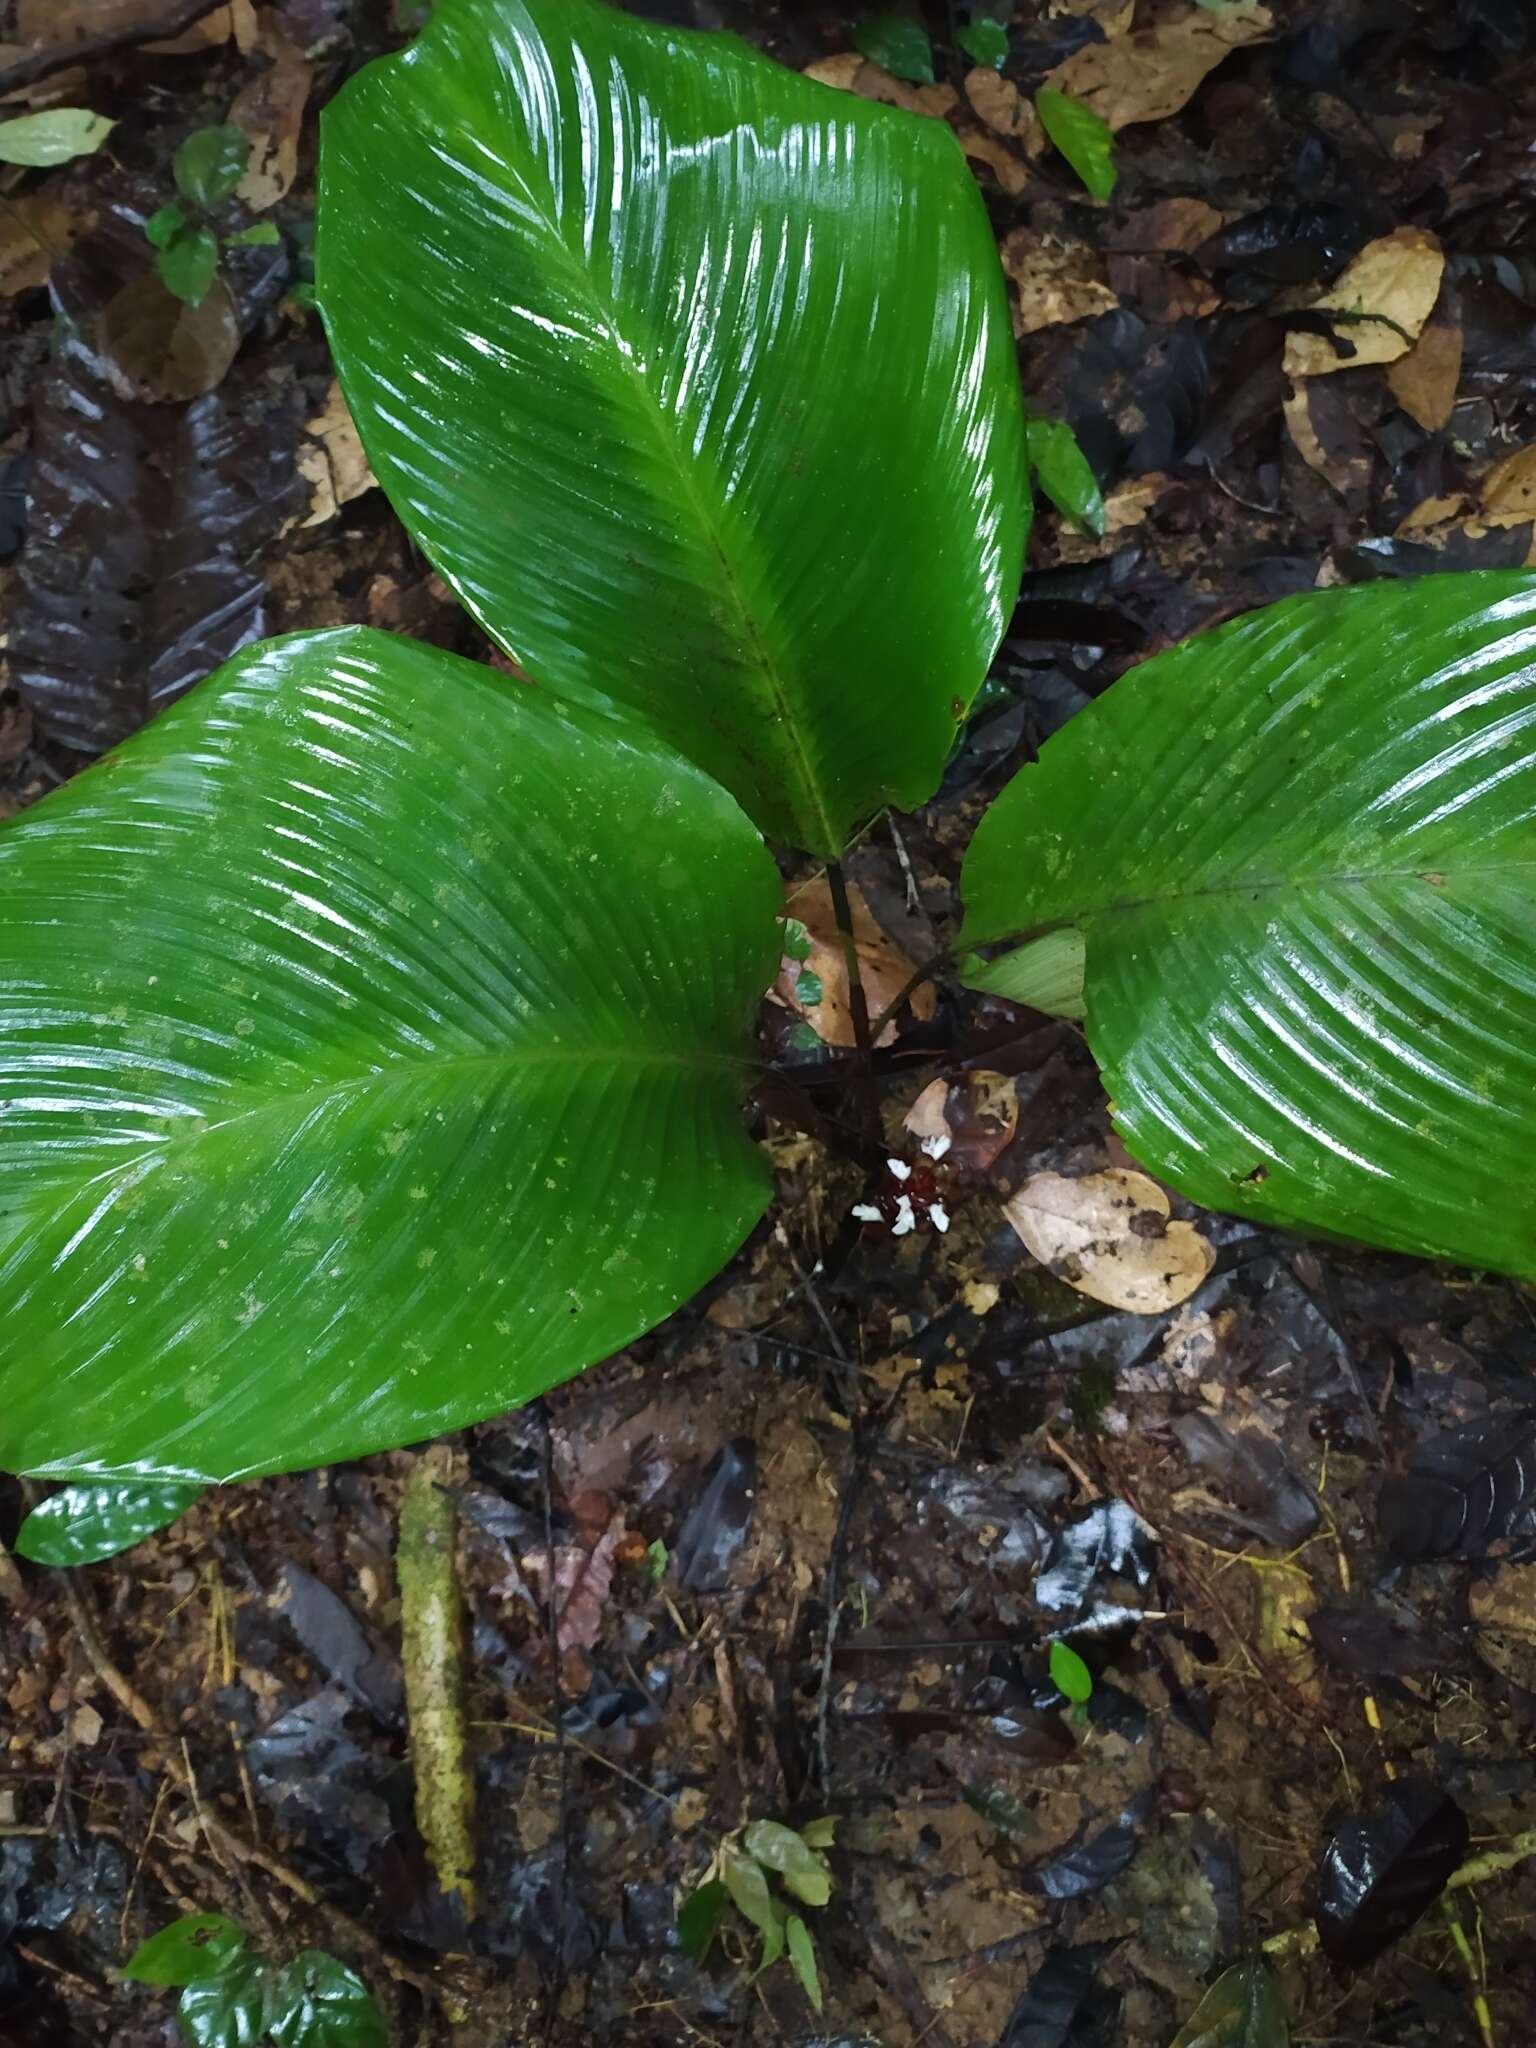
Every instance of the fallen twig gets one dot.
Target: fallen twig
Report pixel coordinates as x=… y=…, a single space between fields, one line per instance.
x=172 y=21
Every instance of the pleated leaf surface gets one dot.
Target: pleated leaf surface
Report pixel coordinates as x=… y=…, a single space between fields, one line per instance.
x=1302 y=851
x=373 y=1035
x=695 y=379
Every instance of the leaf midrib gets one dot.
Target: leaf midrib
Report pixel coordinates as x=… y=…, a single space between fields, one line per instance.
x=813 y=813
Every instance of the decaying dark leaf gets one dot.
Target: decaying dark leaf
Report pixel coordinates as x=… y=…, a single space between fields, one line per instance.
x=1278 y=1507
x=1367 y=1642
x=1064 y=2004
x=1464 y=1492
x=346 y=1651
x=1110 y=1538
x=716 y=1524
x=1382 y=1870
x=1090 y=1861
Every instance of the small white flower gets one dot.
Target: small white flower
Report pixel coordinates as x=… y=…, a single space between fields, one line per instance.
x=938 y=1216
x=866 y=1212
x=905 y=1219
x=936 y=1147
x=898 y=1169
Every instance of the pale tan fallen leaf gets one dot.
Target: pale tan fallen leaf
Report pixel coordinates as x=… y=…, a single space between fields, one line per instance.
x=333 y=463
x=1055 y=285
x=1148 y=73
x=1010 y=172
x=1507 y=495
x=1397 y=279
x=849 y=72
x=34 y=229
x=1109 y=1236
x=1507 y=1601
x=1171 y=227
x=1505 y=498
x=85 y=1727
x=884 y=968
x=968 y=1122
x=270 y=109
x=1114 y=17
x=1424 y=380
x=1004 y=109
x=1125 y=508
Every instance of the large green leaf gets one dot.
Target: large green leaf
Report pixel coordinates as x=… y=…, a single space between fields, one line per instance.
x=1302 y=852
x=695 y=379
x=373 y=1034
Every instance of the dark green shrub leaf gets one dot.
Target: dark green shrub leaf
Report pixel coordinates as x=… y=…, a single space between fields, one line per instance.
x=1300 y=852
x=747 y=1884
x=802 y=1954
x=317 y=2002
x=202 y=1945
x=1083 y=137
x=699 y=1920
x=226 y=2011
x=83 y=1524
x=1069 y=1674
x=1242 y=2009
x=779 y=1848
x=163 y=226
x=372 y=1066
x=655 y=411
x=187 y=264
x=1062 y=471
x=210 y=163
x=54 y=137
x=261 y=235
x=985 y=41
x=898 y=44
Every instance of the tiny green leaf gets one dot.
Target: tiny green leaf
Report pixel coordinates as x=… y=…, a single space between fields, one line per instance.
x=262 y=235
x=779 y=1848
x=85 y=1523
x=699 y=1920
x=808 y=987
x=1083 y=137
x=658 y=1556
x=163 y=226
x=1242 y=2009
x=985 y=41
x=1063 y=473
x=41 y=140
x=797 y=940
x=820 y=1834
x=188 y=263
x=226 y=2011
x=898 y=44
x=1069 y=1674
x=317 y=2002
x=210 y=163
x=802 y=1953
x=747 y=1884
x=803 y=1039
x=186 y=1952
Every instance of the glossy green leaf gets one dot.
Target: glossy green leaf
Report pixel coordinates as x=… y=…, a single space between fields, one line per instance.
x=84 y=1524
x=317 y=2002
x=802 y=1953
x=54 y=137
x=898 y=43
x=695 y=379
x=199 y=1946
x=698 y=1922
x=1062 y=471
x=779 y=1848
x=210 y=163
x=1069 y=1674
x=1242 y=2009
x=1301 y=850
x=226 y=2011
x=1084 y=138
x=374 y=1033
x=747 y=1884
x=262 y=234
x=163 y=226
x=188 y=262
x=985 y=41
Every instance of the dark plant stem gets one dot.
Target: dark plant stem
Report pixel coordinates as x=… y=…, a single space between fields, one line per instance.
x=924 y=972
x=858 y=1006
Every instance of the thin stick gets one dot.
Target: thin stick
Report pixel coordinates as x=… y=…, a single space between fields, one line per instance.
x=51 y=57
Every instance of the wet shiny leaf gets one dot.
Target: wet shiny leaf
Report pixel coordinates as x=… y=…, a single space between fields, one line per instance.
x=342 y=1115
x=84 y=1524
x=199 y=1946
x=209 y=164
x=1242 y=2009
x=1464 y=1491
x=53 y=137
x=1088 y=1864
x=985 y=41
x=1064 y=2005
x=1062 y=471
x=1069 y=1674
x=1382 y=1870
x=317 y=2002
x=1299 y=849
x=611 y=304
x=187 y=264
x=1083 y=137
x=897 y=43
x=226 y=2011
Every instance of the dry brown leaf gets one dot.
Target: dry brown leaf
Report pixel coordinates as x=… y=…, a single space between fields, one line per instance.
x=1396 y=278
x=1160 y=291
x=33 y=230
x=1147 y=74
x=1114 y=17
x=884 y=968
x=1507 y=495
x=333 y=464
x=62 y=21
x=1328 y=438
x=986 y=149
x=1109 y=1236
x=849 y=72
x=583 y=1580
x=161 y=349
x=1055 y=285
x=1424 y=380
x=1171 y=227
x=1506 y=498
x=1004 y=109
x=1125 y=507
x=270 y=108
x=967 y=1122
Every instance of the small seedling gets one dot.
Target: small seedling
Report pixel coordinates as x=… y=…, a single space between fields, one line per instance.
x=207 y=168
x=1072 y=1678
x=750 y=1870
x=229 y=1996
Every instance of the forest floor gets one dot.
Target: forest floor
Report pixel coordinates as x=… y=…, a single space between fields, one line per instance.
x=811 y=1538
